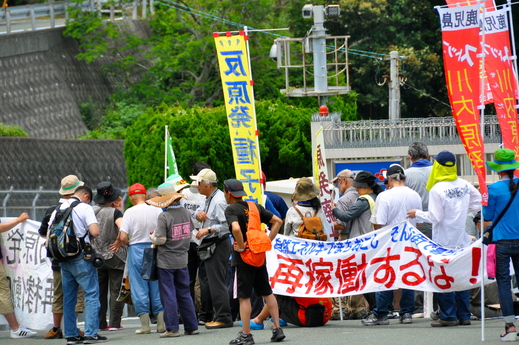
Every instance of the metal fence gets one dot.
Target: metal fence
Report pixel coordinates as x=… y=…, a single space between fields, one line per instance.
x=34 y=202
x=55 y=14
x=401 y=132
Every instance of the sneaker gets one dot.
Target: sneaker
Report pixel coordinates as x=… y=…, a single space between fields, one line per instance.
x=277 y=335
x=464 y=322
x=335 y=316
x=54 y=333
x=243 y=339
x=393 y=315
x=195 y=332
x=406 y=318
x=435 y=315
x=94 y=339
x=169 y=334
x=78 y=339
x=253 y=325
x=106 y=328
x=372 y=320
x=110 y=328
x=22 y=332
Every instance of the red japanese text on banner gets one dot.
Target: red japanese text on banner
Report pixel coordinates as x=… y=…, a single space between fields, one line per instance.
x=322 y=182
x=461 y=54
x=501 y=75
x=233 y=59
x=393 y=257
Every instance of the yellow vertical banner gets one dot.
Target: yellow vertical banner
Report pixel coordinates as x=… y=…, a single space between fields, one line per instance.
x=235 y=72
x=322 y=181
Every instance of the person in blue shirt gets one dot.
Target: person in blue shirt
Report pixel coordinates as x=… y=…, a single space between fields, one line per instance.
x=506 y=232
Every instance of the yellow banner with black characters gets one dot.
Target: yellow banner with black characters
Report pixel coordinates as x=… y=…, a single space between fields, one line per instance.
x=235 y=72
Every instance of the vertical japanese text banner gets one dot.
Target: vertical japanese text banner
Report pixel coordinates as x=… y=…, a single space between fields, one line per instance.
x=461 y=55
x=233 y=59
x=28 y=274
x=322 y=182
x=501 y=75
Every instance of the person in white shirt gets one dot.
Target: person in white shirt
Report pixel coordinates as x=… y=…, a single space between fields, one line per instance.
x=450 y=200
x=138 y=222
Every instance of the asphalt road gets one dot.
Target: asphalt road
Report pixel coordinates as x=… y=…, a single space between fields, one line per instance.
x=349 y=332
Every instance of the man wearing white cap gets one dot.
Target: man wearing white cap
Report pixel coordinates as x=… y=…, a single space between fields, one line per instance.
x=214 y=249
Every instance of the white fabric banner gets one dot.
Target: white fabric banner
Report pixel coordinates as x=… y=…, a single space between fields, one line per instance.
x=393 y=257
x=28 y=273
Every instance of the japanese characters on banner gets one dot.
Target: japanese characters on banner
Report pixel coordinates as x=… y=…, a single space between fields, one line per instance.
x=501 y=75
x=323 y=183
x=28 y=273
x=392 y=257
x=462 y=58
x=237 y=85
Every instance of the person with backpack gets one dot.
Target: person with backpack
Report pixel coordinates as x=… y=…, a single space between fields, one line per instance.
x=76 y=271
x=502 y=207
x=6 y=305
x=307 y=204
x=69 y=184
x=243 y=219
x=359 y=213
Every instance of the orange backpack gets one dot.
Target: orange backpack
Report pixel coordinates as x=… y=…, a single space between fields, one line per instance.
x=257 y=242
x=311 y=228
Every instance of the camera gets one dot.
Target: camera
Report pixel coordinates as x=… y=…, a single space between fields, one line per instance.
x=308 y=11
x=89 y=254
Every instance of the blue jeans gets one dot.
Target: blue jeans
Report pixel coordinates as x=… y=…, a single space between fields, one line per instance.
x=74 y=273
x=175 y=297
x=143 y=292
x=506 y=250
x=454 y=305
x=385 y=299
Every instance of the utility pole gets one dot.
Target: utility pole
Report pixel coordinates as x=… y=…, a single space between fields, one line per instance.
x=319 y=52
x=394 y=86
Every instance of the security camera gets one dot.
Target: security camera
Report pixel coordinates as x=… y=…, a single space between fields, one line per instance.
x=308 y=11
x=332 y=11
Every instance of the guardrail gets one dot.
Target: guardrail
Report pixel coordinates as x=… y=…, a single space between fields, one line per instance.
x=56 y=14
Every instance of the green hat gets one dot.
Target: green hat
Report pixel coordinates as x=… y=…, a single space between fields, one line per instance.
x=504 y=159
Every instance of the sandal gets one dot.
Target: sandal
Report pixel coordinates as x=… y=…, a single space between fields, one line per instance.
x=509 y=335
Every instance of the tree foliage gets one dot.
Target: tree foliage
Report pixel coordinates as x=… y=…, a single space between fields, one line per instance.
x=202 y=134
x=12 y=131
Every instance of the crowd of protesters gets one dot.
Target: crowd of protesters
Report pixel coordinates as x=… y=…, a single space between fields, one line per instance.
x=199 y=232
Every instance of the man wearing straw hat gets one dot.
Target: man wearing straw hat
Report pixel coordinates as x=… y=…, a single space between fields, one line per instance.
x=172 y=237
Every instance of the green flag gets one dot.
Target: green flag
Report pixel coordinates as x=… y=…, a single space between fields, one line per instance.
x=171 y=162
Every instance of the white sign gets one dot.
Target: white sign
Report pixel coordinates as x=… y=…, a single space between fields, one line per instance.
x=28 y=273
x=393 y=257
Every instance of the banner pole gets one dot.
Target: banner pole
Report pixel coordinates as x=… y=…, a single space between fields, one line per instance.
x=166 y=134
x=482 y=131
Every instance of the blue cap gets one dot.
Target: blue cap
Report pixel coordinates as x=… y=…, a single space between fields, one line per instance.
x=446 y=158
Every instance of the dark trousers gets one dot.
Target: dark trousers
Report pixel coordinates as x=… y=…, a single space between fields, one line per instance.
x=193 y=262
x=110 y=280
x=213 y=282
x=175 y=297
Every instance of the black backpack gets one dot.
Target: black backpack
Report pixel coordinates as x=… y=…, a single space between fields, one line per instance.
x=62 y=242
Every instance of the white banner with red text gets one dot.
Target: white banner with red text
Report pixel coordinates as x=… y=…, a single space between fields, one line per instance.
x=393 y=257
x=28 y=274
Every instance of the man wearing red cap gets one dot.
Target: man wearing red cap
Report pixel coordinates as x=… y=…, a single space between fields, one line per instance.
x=138 y=222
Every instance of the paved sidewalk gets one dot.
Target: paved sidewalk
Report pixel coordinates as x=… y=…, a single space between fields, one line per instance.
x=334 y=333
